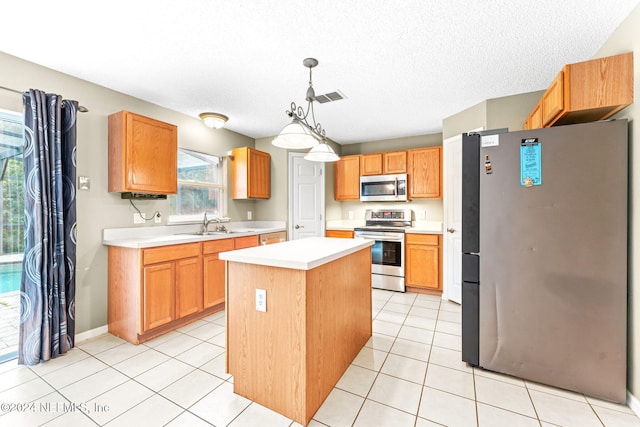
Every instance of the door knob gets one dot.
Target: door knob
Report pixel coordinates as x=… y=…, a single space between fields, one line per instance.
x=298 y=226
x=451 y=230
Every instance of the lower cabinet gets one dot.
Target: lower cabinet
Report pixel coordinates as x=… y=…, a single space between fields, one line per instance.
x=188 y=286
x=214 y=270
x=423 y=257
x=154 y=290
x=158 y=292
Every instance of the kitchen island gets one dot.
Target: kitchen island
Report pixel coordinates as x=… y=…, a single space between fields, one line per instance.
x=316 y=297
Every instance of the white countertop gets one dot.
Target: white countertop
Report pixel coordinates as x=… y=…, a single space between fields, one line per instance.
x=148 y=237
x=303 y=254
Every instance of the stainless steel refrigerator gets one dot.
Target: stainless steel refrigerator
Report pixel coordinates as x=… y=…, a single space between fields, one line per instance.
x=544 y=263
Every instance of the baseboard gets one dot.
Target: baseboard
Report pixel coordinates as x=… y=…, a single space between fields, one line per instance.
x=633 y=403
x=92 y=333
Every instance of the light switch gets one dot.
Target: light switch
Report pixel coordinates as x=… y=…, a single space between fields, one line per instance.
x=261 y=300
x=84 y=183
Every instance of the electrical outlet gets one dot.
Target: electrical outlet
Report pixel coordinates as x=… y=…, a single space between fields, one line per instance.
x=249 y=215
x=261 y=300
x=423 y=215
x=157 y=218
x=137 y=219
x=350 y=214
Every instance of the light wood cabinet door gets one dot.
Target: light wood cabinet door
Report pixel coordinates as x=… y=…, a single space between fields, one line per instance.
x=425 y=172
x=422 y=255
x=250 y=174
x=371 y=164
x=345 y=234
x=534 y=121
x=188 y=286
x=158 y=300
x=213 y=280
x=142 y=154
x=553 y=100
x=214 y=271
x=347 y=178
x=394 y=162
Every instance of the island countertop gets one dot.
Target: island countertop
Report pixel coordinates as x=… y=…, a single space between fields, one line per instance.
x=302 y=254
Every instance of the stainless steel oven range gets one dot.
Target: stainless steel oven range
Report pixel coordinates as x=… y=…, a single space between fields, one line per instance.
x=386 y=227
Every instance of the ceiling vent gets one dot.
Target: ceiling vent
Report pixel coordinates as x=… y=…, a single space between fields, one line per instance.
x=329 y=97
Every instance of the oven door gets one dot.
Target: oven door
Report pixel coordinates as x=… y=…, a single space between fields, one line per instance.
x=387 y=255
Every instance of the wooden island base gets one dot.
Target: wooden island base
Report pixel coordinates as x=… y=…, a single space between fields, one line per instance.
x=290 y=357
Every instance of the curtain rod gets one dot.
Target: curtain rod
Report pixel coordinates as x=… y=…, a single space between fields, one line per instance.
x=80 y=107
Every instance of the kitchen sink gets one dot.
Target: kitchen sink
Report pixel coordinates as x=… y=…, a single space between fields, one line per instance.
x=209 y=233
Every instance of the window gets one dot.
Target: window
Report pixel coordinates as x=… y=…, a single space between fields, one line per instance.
x=12 y=180
x=11 y=230
x=201 y=187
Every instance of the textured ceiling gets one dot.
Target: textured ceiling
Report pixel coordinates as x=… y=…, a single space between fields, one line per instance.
x=402 y=65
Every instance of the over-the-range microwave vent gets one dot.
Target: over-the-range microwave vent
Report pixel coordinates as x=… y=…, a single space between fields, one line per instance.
x=143 y=196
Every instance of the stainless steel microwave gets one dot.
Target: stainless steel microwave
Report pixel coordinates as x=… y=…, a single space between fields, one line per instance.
x=383 y=188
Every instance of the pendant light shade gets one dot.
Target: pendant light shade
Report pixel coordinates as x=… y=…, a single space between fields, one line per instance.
x=295 y=135
x=322 y=153
x=302 y=133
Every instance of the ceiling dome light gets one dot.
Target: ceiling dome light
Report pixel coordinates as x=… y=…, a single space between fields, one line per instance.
x=322 y=153
x=295 y=136
x=214 y=120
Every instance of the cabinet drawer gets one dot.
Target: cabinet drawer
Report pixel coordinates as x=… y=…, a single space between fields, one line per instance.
x=246 y=242
x=345 y=234
x=215 y=246
x=422 y=239
x=170 y=253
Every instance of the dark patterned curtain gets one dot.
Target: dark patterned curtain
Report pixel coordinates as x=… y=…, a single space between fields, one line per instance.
x=47 y=297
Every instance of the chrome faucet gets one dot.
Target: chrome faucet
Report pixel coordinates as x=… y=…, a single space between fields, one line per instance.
x=205 y=224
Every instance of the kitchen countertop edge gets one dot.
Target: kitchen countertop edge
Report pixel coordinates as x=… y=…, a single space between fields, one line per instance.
x=182 y=238
x=303 y=254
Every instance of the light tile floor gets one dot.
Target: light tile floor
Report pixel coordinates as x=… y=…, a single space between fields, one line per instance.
x=408 y=374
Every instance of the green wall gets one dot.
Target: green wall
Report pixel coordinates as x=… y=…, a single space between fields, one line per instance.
x=98 y=209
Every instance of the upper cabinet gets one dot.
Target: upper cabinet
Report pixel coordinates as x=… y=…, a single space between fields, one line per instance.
x=383 y=163
x=347 y=178
x=585 y=92
x=394 y=162
x=250 y=174
x=425 y=172
x=142 y=154
x=371 y=164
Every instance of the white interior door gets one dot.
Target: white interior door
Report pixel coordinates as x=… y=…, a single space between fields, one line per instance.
x=452 y=233
x=306 y=195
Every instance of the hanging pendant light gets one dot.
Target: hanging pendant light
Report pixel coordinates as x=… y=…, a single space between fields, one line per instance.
x=301 y=134
x=295 y=135
x=322 y=153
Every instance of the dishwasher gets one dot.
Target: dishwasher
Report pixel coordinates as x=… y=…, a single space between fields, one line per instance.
x=270 y=238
